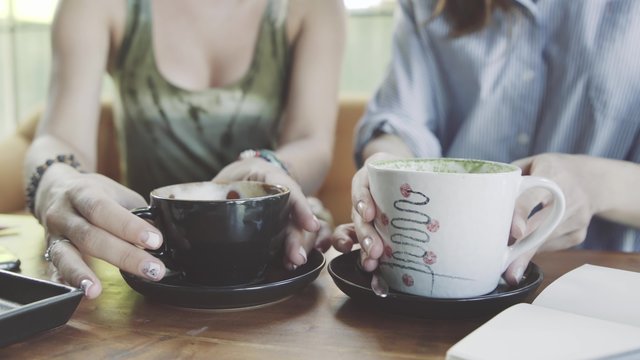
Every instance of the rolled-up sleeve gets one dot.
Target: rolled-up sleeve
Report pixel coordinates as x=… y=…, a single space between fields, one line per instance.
x=406 y=99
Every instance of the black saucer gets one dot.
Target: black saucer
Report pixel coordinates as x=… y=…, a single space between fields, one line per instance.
x=278 y=284
x=357 y=285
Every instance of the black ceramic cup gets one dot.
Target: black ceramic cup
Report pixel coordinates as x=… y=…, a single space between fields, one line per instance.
x=219 y=234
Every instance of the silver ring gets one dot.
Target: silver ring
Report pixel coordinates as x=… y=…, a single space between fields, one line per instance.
x=47 y=253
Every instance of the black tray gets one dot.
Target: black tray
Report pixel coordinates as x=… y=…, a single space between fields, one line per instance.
x=29 y=306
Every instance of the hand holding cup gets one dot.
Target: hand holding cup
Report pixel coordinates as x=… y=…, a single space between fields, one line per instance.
x=445 y=223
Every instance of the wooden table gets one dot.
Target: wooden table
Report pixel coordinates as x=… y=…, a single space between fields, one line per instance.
x=319 y=322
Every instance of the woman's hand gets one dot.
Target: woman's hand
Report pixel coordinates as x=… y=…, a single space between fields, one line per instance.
x=581 y=182
x=362 y=214
x=88 y=215
x=303 y=221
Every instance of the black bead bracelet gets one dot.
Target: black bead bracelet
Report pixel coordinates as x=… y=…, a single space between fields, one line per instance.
x=37 y=176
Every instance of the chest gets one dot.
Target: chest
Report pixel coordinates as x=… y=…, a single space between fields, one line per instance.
x=200 y=45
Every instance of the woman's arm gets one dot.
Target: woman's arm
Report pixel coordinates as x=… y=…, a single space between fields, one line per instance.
x=80 y=45
x=307 y=138
x=387 y=143
x=407 y=102
x=85 y=213
x=619 y=198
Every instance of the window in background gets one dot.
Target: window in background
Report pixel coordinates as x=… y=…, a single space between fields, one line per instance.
x=25 y=54
x=25 y=59
x=7 y=83
x=370 y=26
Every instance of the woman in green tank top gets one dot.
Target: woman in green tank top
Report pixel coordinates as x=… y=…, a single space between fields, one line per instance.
x=199 y=83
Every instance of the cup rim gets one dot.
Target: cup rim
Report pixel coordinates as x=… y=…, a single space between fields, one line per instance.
x=378 y=165
x=284 y=191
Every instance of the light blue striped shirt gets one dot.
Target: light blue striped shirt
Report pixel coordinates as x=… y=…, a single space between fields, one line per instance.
x=553 y=76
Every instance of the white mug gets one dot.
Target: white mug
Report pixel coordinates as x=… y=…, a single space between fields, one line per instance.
x=445 y=223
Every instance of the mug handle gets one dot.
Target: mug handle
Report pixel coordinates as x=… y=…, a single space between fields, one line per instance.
x=539 y=235
x=148 y=214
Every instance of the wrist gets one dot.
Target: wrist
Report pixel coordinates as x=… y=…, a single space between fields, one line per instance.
x=33 y=187
x=387 y=143
x=617 y=177
x=266 y=155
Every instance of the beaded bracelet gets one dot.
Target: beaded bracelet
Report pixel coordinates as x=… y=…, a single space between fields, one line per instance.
x=34 y=182
x=265 y=154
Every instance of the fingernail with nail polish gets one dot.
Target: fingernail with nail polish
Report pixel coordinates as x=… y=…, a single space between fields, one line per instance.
x=360 y=207
x=85 y=285
x=367 y=242
x=303 y=253
x=152 y=270
x=519 y=273
x=151 y=239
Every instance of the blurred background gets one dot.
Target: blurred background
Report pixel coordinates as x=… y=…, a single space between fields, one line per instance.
x=25 y=56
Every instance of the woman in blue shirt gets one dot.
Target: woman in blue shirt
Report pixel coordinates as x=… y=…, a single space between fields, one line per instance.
x=551 y=85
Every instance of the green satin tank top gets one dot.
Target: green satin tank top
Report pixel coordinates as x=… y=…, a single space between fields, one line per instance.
x=171 y=135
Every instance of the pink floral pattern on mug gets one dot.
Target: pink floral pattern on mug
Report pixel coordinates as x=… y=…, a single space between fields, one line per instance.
x=388 y=251
x=384 y=219
x=407 y=280
x=405 y=189
x=433 y=225
x=430 y=258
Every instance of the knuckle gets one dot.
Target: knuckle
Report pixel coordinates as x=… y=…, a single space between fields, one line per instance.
x=86 y=198
x=55 y=219
x=138 y=199
x=56 y=255
x=354 y=215
x=90 y=206
x=577 y=237
x=341 y=229
x=50 y=217
x=128 y=259
x=546 y=163
x=82 y=235
x=131 y=228
x=255 y=175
